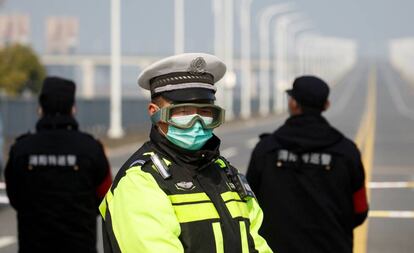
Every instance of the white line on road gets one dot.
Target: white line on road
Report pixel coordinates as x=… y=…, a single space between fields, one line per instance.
x=390 y=214
x=4 y=200
x=229 y=152
x=7 y=241
x=2 y=186
x=252 y=142
x=386 y=185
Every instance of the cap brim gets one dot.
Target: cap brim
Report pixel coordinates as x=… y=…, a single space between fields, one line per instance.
x=186 y=95
x=289 y=92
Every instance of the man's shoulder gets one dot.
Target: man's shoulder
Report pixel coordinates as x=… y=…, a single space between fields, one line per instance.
x=138 y=159
x=87 y=140
x=267 y=143
x=346 y=147
x=23 y=141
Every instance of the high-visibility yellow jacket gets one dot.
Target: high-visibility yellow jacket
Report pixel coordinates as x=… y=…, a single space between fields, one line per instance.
x=192 y=211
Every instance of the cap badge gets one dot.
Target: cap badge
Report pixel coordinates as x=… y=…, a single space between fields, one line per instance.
x=197 y=66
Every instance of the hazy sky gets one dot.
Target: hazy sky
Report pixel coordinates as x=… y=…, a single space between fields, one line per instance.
x=147 y=26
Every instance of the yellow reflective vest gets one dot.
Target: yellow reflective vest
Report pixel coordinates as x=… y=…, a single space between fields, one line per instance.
x=191 y=211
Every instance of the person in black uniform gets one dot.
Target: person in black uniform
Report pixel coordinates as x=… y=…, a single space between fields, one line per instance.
x=56 y=177
x=308 y=178
x=176 y=193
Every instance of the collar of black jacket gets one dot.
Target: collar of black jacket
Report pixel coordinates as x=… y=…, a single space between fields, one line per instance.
x=307 y=132
x=48 y=122
x=193 y=159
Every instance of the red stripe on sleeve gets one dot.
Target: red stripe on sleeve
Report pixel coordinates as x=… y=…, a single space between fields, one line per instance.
x=105 y=185
x=360 y=200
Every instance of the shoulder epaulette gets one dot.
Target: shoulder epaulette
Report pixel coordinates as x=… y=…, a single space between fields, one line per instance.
x=140 y=161
x=149 y=157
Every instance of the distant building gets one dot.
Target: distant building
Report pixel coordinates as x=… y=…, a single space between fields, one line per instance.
x=14 y=28
x=62 y=35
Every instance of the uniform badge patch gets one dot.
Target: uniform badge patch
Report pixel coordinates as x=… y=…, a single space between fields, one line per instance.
x=185 y=186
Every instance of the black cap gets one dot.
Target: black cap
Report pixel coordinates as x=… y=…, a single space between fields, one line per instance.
x=57 y=95
x=189 y=95
x=310 y=91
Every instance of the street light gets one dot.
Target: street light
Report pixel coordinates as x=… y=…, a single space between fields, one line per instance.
x=115 y=124
x=293 y=32
x=303 y=48
x=245 y=60
x=281 y=47
x=264 y=23
x=179 y=26
x=229 y=80
x=223 y=48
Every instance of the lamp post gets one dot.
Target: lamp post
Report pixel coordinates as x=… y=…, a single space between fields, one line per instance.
x=179 y=26
x=294 y=30
x=223 y=48
x=229 y=80
x=303 y=47
x=264 y=23
x=115 y=124
x=281 y=47
x=246 y=78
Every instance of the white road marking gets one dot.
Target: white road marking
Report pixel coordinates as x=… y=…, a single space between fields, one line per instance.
x=7 y=241
x=252 y=142
x=4 y=199
x=391 y=214
x=229 y=152
x=387 y=185
x=2 y=186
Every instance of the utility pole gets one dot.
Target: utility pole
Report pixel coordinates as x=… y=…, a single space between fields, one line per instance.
x=179 y=27
x=264 y=31
x=115 y=124
x=246 y=71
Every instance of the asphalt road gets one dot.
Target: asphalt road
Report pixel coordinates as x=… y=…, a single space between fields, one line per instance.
x=386 y=142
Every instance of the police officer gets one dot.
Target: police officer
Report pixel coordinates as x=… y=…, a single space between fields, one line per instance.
x=57 y=177
x=176 y=193
x=308 y=178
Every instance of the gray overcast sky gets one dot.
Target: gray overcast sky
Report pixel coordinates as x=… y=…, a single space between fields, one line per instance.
x=147 y=25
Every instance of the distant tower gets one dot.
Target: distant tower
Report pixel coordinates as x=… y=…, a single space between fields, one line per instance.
x=62 y=35
x=14 y=29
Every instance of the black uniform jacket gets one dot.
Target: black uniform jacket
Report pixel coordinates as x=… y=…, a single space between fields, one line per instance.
x=54 y=178
x=309 y=181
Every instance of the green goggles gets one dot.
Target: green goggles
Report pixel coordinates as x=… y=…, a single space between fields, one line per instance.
x=186 y=115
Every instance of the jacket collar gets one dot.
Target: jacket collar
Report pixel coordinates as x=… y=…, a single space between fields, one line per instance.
x=199 y=159
x=307 y=132
x=48 y=122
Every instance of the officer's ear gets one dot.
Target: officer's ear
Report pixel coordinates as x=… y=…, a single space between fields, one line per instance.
x=40 y=111
x=152 y=108
x=73 y=111
x=294 y=107
x=157 y=103
x=327 y=105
